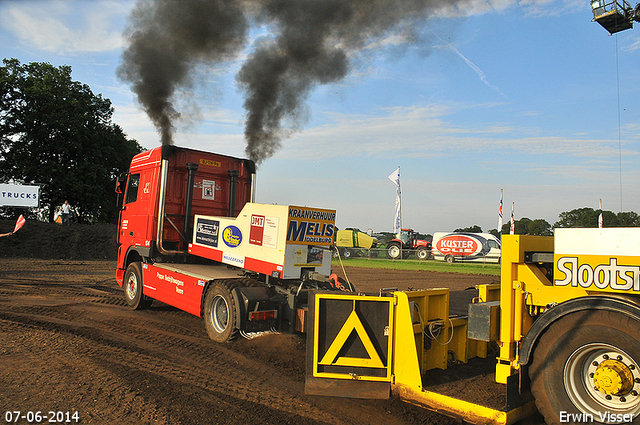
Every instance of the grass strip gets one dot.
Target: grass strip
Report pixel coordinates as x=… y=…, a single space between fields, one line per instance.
x=429 y=265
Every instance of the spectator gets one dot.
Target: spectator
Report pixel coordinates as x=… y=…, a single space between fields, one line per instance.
x=65 y=213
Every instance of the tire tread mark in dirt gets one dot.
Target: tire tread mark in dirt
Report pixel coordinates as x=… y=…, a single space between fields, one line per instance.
x=234 y=382
x=148 y=363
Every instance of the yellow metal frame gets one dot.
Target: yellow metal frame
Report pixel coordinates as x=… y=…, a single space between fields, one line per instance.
x=410 y=313
x=407 y=367
x=525 y=291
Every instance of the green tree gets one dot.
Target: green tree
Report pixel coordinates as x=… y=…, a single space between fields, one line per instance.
x=579 y=217
x=588 y=217
x=539 y=227
x=55 y=132
x=472 y=229
x=526 y=226
x=628 y=219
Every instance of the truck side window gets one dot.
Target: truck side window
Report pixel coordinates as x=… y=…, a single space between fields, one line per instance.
x=132 y=188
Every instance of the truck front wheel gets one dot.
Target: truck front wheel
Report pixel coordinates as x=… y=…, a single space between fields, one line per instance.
x=132 y=286
x=220 y=312
x=588 y=363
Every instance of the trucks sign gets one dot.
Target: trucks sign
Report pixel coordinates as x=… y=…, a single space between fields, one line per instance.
x=14 y=195
x=310 y=226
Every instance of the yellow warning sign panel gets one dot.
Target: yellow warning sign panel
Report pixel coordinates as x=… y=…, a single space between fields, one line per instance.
x=352 y=337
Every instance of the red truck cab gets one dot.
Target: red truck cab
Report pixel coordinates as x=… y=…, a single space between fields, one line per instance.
x=175 y=183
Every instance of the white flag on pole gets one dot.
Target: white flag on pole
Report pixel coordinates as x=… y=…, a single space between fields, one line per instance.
x=397 y=218
x=512 y=229
x=500 y=214
x=600 y=216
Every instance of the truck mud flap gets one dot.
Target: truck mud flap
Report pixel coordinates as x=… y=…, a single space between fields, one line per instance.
x=349 y=346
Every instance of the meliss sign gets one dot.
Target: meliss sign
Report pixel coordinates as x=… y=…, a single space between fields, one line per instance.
x=14 y=195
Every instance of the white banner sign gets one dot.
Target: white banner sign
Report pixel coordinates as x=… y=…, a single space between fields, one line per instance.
x=14 y=195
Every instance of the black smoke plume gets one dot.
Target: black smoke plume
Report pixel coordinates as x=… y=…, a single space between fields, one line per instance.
x=309 y=42
x=167 y=40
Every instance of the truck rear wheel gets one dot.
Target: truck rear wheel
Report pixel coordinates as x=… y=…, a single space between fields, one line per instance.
x=220 y=311
x=588 y=363
x=132 y=286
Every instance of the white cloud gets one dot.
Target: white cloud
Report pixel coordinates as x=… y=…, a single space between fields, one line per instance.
x=428 y=132
x=54 y=26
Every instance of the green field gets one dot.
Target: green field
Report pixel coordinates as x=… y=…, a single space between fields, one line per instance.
x=431 y=265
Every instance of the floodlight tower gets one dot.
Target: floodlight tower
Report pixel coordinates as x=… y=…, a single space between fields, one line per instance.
x=615 y=15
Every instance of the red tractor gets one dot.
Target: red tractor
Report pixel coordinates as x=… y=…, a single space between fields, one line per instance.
x=407 y=241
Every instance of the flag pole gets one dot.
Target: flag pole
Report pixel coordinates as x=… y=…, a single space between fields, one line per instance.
x=512 y=229
x=600 y=216
x=397 y=219
x=500 y=214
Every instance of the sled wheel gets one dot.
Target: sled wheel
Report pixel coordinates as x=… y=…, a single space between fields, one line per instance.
x=132 y=286
x=588 y=363
x=220 y=312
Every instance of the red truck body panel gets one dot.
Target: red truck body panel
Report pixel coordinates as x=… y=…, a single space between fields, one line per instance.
x=179 y=289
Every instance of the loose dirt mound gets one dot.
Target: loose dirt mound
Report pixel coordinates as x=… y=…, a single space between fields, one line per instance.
x=54 y=241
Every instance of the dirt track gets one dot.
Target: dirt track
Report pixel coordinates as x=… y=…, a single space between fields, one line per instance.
x=68 y=343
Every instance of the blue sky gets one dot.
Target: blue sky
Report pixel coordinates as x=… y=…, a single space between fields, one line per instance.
x=521 y=96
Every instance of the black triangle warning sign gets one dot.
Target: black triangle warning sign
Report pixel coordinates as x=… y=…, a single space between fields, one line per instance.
x=352 y=324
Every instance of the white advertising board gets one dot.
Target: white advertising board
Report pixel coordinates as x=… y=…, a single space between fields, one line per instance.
x=14 y=195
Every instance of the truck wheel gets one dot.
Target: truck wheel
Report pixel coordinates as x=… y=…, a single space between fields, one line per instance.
x=393 y=251
x=422 y=254
x=588 y=363
x=220 y=312
x=347 y=253
x=132 y=286
x=449 y=259
x=335 y=253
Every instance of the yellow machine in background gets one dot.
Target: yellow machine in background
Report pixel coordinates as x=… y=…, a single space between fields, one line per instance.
x=349 y=243
x=565 y=320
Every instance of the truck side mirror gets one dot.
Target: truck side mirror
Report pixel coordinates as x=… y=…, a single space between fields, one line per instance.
x=120 y=186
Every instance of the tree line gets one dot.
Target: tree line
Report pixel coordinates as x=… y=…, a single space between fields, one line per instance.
x=57 y=134
x=579 y=217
